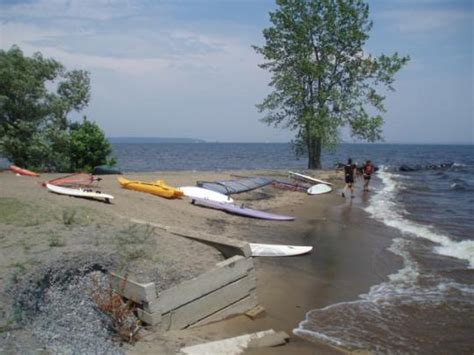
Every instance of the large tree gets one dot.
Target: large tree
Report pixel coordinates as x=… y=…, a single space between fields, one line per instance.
x=322 y=78
x=36 y=97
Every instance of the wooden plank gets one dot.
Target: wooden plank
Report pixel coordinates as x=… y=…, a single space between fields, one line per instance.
x=274 y=339
x=149 y=318
x=133 y=290
x=239 y=307
x=255 y=312
x=228 y=246
x=235 y=345
x=211 y=303
x=225 y=272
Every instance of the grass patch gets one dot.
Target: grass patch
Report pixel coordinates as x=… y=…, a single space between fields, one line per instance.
x=136 y=242
x=18 y=213
x=81 y=216
x=69 y=216
x=20 y=269
x=56 y=241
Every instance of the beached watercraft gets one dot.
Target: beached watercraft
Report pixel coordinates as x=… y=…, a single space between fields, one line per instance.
x=240 y=210
x=308 y=178
x=158 y=188
x=319 y=189
x=106 y=170
x=199 y=192
x=73 y=180
x=23 y=172
x=278 y=249
x=228 y=187
x=79 y=192
x=287 y=185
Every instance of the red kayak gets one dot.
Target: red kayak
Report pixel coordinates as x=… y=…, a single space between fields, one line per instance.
x=21 y=171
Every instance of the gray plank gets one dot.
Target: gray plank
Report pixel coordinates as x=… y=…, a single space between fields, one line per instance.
x=133 y=290
x=205 y=306
x=225 y=272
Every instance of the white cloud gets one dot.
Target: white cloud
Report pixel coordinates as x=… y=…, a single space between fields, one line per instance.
x=85 y=9
x=423 y=21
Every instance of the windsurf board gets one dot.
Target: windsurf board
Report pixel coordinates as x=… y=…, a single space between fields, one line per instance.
x=278 y=249
x=319 y=189
x=240 y=210
x=199 y=192
x=81 y=192
x=308 y=178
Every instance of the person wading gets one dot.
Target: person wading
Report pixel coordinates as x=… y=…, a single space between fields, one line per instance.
x=368 y=171
x=349 y=171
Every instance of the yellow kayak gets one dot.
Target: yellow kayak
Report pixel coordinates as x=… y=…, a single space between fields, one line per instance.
x=158 y=187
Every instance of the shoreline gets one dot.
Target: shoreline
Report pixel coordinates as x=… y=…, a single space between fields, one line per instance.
x=348 y=258
x=336 y=270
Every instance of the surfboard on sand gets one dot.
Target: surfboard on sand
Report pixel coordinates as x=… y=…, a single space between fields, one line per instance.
x=319 y=189
x=278 y=249
x=199 y=192
x=81 y=192
x=240 y=210
x=308 y=178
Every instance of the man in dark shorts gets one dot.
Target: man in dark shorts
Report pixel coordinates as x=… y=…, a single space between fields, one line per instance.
x=349 y=171
x=367 y=170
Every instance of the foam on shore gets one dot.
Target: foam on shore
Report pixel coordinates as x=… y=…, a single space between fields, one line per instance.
x=383 y=207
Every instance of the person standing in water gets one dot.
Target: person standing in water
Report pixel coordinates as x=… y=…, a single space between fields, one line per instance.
x=367 y=170
x=349 y=171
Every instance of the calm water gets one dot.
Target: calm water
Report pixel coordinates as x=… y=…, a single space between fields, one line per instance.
x=425 y=307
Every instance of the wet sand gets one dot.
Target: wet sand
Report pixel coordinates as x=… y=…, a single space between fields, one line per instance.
x=349 y=256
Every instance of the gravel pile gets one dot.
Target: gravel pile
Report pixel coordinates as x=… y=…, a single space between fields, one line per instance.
x=59 y=310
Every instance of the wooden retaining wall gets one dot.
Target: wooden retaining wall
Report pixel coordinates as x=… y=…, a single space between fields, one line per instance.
x=228 y=289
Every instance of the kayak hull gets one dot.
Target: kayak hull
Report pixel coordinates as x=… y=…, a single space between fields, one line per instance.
x=158 y=188
x=23 y=172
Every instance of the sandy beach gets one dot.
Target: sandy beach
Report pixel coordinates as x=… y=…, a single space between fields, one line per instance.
x=43 y=233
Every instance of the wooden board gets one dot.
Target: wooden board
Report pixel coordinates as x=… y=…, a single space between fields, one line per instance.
x=133 y=290
x=225 y=273
x=237 y=345
x=213 y=302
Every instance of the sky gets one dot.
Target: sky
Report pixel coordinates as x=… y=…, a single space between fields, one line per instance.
x=186 y=68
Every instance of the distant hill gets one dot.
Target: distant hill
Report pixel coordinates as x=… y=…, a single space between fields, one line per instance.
x=143 y=140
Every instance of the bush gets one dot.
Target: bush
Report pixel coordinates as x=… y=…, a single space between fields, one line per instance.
x=88 y=146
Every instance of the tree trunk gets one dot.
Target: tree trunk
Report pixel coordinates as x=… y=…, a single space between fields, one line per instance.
x=314 y=153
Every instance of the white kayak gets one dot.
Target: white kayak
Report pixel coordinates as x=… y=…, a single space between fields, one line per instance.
x=308 y=178
x=319 y=189
x=278 y=249
x=79 y=192
x=199 y=192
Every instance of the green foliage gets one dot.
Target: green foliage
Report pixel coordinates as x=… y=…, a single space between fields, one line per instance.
x=322 y=78
x=36 y=96
x=88 y=146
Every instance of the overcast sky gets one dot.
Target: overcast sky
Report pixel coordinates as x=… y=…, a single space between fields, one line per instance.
x=185 y=68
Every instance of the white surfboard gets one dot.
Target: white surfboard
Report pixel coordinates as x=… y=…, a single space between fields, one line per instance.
x=199 y=192
x=308 y=178
x=319 y=189
x=79 y=192
x=278 y=249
